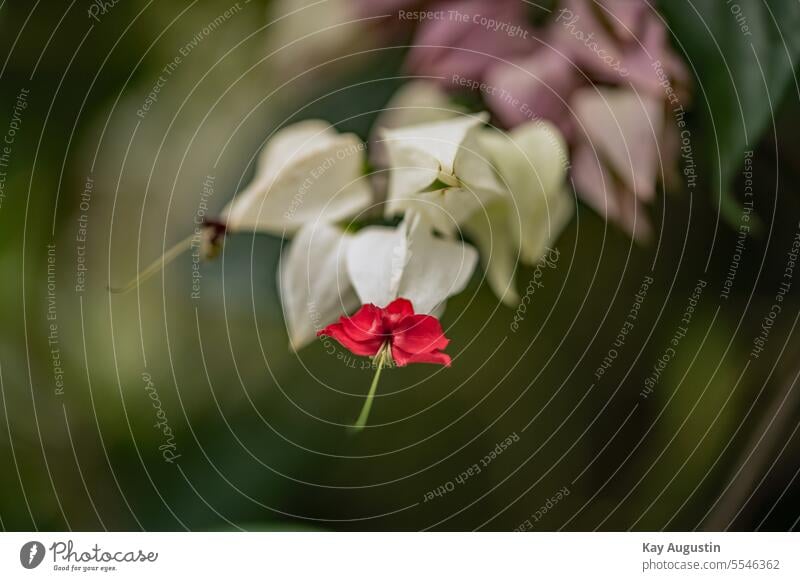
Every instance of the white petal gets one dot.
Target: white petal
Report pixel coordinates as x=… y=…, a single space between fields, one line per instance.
x=417 y=102
x=544 y=228
x=302 y=138
x=311 y=135
x=438 y=311
x=376 y=258
x=444 y=209
x=439 y=140
x=414 y=103
x=421 y=154
x=450 y=152
x=314 y=286
x=493 y=235
x=436 y=269
x=537 y=152
x=412 y=172
x=408 y=261
x=533 y=161
x=476 y=168
x=306 y=173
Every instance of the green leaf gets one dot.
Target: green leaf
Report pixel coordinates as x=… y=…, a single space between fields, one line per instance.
x=743 y=54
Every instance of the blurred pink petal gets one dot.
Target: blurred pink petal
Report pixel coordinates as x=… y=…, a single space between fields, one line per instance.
x=626 y=129
x=621 y=142
x=616 y=42
x=537 y=86
x=639 y=58
x=616 y=160
x=621 y=139
x=577 y=30
x=483 y=34
x=607 y=195
x=624 y=16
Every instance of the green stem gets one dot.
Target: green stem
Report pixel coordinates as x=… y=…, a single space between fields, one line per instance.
x=156 y=266
x=380 y=360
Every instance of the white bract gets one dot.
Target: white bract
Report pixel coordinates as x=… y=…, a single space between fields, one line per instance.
x=408 y=261
x=440 y=170
x=308 y=178
x=306 y=173
x=416 y=102
x=314 y=285
x=506 y=190
x=532 y=162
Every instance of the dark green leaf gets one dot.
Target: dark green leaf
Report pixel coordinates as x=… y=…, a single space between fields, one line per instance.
x=743 y=55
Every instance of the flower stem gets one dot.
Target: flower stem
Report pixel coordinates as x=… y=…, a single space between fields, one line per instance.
x=155 y=266
x=380 y=361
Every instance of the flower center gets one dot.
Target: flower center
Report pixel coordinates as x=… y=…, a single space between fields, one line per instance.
x=448 y=179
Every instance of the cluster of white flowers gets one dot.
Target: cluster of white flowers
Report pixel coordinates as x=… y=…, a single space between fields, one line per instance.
x=448 y=174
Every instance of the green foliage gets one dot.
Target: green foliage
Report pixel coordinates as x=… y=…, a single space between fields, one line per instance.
x=742 y=57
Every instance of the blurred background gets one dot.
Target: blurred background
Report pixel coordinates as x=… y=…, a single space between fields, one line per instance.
x=180 y=406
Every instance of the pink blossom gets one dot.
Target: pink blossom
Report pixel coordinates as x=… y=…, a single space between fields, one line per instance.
x=621 y=140
x=465 y=37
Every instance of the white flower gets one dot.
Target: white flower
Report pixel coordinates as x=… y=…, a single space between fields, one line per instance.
x=307 y=173
x=415 y=102
x=314 y=285
x=532 y=161
x=490 y=229
x=440 y=170
x=385 y=263
x=308 y=178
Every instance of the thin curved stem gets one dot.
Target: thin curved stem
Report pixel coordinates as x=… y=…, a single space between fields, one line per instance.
x=157 y=265
x=380 y=361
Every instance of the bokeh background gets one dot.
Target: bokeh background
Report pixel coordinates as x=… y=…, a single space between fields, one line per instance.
x=95 y=187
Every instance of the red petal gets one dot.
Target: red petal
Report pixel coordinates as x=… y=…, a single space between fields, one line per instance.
x=365 y=325
x=364 y=348
x=396 y=311
x=415 y=338
x=419 y=334
x=403 y=358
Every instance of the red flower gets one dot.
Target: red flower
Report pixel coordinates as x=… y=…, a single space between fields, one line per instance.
x=410 y=338
x=393 y=333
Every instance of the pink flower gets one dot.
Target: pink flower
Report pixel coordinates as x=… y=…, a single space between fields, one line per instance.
x=617 y=153
x=469 y=36
x=600 y=70
x=621 y=140
x=538 y=85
